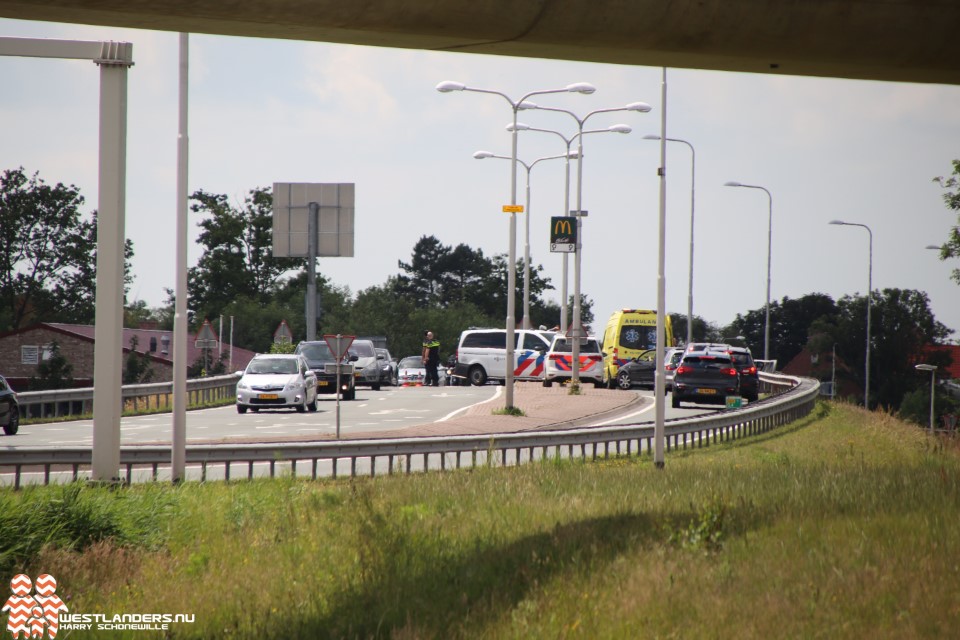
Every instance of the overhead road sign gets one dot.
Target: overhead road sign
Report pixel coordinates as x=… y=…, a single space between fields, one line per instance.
x=291 y=219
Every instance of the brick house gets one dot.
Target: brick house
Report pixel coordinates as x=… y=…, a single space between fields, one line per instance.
x=22 y=350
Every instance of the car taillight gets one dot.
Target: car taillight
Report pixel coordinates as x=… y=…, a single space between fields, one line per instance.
x=669 y=367
x=682 y=370
x=729 y=372
x=750 y=371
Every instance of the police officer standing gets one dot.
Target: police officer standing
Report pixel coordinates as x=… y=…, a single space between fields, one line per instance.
x=431 y=359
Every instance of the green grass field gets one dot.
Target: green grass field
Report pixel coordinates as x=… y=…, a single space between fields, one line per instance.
x=843 y=525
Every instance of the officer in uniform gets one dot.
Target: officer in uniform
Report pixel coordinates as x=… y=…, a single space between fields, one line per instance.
x=431 y=359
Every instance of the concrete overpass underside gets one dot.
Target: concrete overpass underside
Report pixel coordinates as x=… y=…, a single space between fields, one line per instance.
x=895 y=40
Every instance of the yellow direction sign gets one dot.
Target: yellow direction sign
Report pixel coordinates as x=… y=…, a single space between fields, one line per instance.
x=513 y=208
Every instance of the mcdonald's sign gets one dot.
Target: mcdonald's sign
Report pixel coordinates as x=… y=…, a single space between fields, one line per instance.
x=563 y=234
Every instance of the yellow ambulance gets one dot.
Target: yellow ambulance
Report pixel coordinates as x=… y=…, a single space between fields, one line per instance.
x=629 y=333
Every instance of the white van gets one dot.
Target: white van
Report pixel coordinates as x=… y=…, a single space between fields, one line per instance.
x=482 y=355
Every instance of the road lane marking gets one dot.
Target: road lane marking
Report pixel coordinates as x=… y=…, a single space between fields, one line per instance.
x=452 y=414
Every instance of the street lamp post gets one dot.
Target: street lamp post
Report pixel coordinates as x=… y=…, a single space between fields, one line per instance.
x=766 y=330
x=693 y=178
x=617 y=128
x=578 y=87
x=933 y=379
x=866 y=375
x=481 y=155
x=642 y=107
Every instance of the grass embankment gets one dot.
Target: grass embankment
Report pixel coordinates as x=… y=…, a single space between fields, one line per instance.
x=843 y=525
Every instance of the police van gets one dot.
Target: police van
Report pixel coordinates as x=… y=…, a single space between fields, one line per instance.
x=482 y=355
x=629 y=333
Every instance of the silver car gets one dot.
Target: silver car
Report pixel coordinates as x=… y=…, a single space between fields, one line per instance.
x=277 y=381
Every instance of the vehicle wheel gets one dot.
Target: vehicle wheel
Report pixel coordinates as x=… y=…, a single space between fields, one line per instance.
x=676 y=402
x=597 y=384
x=241 y=408
x=623 y=380
x=477 y=376
x=375 y=386
x=302 y=407
x=14 y=425
x=548 y=383
x=395 y=381
x=350 y=394
x=255 y=409
x=753 y=397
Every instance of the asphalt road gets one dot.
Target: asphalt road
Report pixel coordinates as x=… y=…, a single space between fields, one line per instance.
x=388 y=409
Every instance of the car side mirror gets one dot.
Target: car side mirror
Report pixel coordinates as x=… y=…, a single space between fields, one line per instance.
x=239 y=373
x=354 y=357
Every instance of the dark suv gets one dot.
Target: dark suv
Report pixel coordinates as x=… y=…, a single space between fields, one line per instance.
x=749 y=378
x=318 y=355
x=705 y=377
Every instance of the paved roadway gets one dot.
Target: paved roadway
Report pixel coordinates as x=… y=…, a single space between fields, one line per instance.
x=389 y=409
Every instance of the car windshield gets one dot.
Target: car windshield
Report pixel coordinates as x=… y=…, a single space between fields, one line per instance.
x=562 y=345
x=316 y=352
x=273 y=365
x=363 y=350
x=411 y=362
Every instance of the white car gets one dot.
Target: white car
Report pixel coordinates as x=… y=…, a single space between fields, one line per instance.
x=277 y=381
x=558 y=365
x=411 y=372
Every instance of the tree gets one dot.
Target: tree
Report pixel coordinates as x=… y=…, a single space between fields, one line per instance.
x=902 y=324
x=238 y=253
x=137 y=367
x=54 y=372
x=790 y=322
x=47 y=253
x=951 y=248
x=703 y=331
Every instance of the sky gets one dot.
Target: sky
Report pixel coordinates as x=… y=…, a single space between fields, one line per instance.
x=264 y=111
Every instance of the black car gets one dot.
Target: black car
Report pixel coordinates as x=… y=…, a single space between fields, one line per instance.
x=9 y=408
x=318 y=355
x=640 y=371
x=749 y=378
x=705 y=377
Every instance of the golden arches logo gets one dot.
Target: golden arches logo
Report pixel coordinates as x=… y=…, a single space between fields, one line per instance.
x=562 y=226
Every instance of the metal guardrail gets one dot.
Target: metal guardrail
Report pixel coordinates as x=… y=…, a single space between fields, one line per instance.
x=59 y=403
x=410 y=454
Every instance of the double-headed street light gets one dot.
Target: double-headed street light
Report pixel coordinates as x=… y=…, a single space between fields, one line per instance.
x=866 y=375
x=617 y=128
x=578 y=87
x=482 y=155
x=693 y=179
x=933 y=381
x=766 y=330
x=641 y=107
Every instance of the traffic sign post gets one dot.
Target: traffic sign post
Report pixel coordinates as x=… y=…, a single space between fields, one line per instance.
x=339 y=344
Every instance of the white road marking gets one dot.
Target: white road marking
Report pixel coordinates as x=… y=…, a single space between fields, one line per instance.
x=450 y=415
x=635 y=413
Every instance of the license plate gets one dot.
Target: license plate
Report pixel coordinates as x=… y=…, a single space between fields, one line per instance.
x=322 y=383
x=707 y=392
x=267 y=396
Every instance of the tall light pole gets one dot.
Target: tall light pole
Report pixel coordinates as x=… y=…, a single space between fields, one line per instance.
x=642 y=107
x=766 y=330
x=578 y=87
x=481 y=155
x=933 y=379
x=866 y=375
x=617 y=128
x=693 y=179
